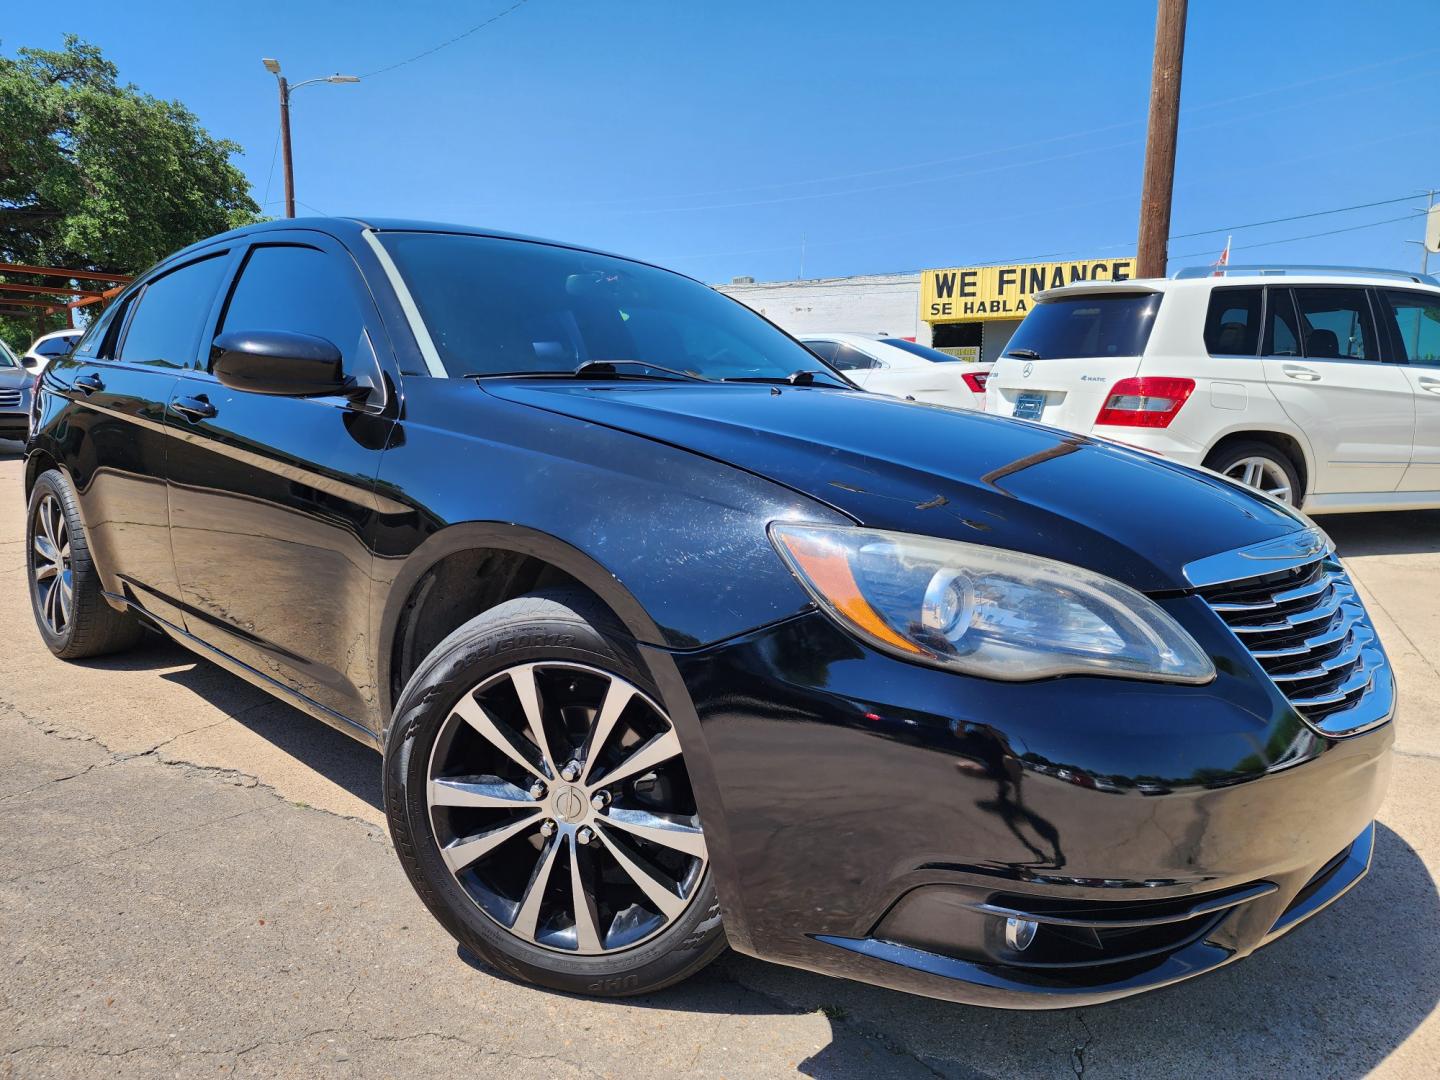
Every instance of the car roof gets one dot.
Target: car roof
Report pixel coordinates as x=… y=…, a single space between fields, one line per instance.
x=1193 y=281
x=59 y=333
x=351 y=228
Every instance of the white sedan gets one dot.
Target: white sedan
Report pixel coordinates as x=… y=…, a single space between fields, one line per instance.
x=901 y=368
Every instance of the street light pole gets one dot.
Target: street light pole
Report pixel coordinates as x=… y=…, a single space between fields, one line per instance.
x=285 y=145
x=1159 y=184
x=273 y=66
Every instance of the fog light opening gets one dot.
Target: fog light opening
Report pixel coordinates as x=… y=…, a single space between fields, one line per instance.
x=1019 y=933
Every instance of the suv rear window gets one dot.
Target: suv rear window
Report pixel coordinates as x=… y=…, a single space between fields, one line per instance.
x=1115 y=324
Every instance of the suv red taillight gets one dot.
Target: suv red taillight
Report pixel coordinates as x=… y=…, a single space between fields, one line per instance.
x=1150 y=402
x=975 y=380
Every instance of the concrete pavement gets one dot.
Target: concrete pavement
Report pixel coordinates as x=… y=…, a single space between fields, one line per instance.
x=195 y=880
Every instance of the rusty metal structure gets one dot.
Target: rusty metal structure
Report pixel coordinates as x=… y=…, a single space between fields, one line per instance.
x=25 y=298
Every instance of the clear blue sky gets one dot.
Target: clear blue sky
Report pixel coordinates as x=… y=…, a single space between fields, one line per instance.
x=716 y=136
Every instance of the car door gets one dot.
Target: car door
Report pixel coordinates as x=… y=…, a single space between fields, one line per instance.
x=271 y=497
x=1324 y=363
x=1414 y=324
x=114 y=438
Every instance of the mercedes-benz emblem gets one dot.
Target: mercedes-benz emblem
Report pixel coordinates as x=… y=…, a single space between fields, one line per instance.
x=1025 y=371
x=569 y=804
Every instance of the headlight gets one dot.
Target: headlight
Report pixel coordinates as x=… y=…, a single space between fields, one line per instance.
x=986 y=611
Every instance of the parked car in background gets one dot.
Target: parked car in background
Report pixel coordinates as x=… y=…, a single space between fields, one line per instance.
x=1318 y=385
x=901 y=368
x=16 y=382
x=49 y=346
x=671 y=638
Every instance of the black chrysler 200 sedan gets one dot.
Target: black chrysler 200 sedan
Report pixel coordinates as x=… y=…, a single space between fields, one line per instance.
x=671 y=638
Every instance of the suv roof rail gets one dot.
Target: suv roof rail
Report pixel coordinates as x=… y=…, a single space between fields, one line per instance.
x=1281 y=270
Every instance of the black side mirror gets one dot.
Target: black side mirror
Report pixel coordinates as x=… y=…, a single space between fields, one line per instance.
x=278 y=362
x=28 y=361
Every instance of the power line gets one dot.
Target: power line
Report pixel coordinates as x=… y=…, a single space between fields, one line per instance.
x=1295 y=217
x=1190 y=110
x=1310 y=236
x=446 y=44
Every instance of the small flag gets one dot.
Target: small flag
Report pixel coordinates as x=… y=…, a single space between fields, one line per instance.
x=1224 y=259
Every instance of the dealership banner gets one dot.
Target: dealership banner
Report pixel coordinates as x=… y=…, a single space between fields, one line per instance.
x=975 y=293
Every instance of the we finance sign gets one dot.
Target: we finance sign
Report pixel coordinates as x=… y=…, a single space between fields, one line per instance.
x=970 y=294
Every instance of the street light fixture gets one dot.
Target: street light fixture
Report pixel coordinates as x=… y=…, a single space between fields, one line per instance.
x=286 y=89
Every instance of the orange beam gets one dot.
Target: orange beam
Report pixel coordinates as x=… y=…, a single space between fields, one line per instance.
x=50 y=308
x=46 y=290
x=95 y=298
x=53 y=271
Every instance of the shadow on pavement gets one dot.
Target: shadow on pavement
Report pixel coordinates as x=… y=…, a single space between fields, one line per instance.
x=339 y=758
x=1404 y=532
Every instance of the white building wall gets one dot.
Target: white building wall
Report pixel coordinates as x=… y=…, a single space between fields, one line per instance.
x=867 y=304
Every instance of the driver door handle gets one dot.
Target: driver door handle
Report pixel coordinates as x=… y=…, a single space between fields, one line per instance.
x=88 y=384
x=1304 y=374
x=194 y=408
x=1430 y=383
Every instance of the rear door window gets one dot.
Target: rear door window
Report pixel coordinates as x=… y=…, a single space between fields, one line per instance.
x=169 y=315
x=1116 y=324
x=1335 y=324
x=1282 y=326
x=1232 y=325
x=849 y=358
x=1416 y=325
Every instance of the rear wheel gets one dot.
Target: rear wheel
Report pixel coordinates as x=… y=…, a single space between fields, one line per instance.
x=73 y=616
x=539 y=801
x=1261 y=466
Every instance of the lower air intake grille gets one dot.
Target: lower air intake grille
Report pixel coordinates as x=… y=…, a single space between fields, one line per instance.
x=1310 y=632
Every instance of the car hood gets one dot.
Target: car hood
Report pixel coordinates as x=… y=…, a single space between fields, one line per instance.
x=943 y=472
x=14 y=378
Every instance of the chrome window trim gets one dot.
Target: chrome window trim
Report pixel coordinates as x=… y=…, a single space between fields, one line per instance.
x=426 y=344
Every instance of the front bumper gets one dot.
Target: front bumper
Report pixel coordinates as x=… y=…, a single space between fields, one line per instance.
x=14 y=425
x=883 y=818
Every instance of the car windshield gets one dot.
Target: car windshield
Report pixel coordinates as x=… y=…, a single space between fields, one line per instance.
x=501 y=307
x=7 y=358
x=935 y=356
x=1086 y=326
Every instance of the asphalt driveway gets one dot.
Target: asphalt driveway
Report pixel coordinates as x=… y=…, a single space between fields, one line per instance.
x=195 y=880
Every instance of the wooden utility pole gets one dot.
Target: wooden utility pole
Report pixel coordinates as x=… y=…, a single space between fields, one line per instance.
x=1160 y=143
x=285 y=146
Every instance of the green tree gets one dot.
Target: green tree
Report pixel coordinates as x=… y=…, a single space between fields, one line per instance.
x=96 y=175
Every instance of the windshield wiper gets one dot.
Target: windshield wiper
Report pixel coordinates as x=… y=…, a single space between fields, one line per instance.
x=1024 y=354
x=804 y=377
x=607 y=367
x=587 y=369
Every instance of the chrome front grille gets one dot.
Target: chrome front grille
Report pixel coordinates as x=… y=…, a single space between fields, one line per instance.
x=9 y=399
x=1308 y=630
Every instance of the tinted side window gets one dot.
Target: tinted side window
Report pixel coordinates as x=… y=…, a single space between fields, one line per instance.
x=1335 y=324
x=1416 y=325
x=165 y=328
x=1232 y=325
x=826 y=350
x=304 y=291
x=849 y=358
x=1282 y=329
x=55 y=346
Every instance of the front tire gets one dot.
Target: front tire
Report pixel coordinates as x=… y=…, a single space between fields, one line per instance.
x=73 y=616
x=1261 y=466
x=538 y=799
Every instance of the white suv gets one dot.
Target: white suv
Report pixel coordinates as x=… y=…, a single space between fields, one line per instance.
x=1319 y=385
